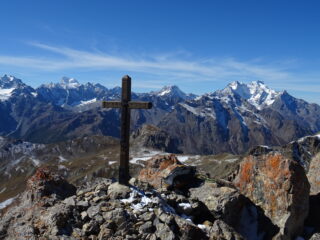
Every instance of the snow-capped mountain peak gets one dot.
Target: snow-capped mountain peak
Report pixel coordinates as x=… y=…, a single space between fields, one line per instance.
x=256 y=92
x=171 y=91
x=8 y=81
x=8 y=84
x=69 y=83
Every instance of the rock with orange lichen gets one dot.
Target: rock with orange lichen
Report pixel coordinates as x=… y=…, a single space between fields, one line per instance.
x=280 y=187
x=167 y=171
x=44 y=183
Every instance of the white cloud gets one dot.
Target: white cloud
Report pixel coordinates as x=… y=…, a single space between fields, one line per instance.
x=178 y=66
x=158 y=70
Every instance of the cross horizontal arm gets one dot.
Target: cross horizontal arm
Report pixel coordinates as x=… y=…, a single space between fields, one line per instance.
x=111 y=104
x=131 y=105
x=140 y=105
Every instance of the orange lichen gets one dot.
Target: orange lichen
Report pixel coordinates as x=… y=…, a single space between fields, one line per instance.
x=274 y=162
x=273 y=166
x=40 y=175
x=168 y=161
x=246 y=170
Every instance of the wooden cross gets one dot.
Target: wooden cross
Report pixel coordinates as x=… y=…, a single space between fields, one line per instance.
x=126 y=104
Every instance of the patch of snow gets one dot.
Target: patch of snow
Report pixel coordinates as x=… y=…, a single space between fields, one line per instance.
x=135 y=160
x=201 y=226
x=202 y=112
x=61 y=167
x=111 y=162
x=265 y=146
x=231 y=160
x=83 y=103
x=144 y=156
x=144 y=200
x=171 y=91
x=256 y=93
x=34 y=94
x=185 y=206
x=188 y=218
x=2 y=190
x=35 y=162
x=16 y=161
x=62 y=159
x=183 y=158
x=5 y=94
x=6 y=203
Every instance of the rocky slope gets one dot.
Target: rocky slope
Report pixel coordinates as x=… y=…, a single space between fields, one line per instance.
x=268 y=198
x=82 y=159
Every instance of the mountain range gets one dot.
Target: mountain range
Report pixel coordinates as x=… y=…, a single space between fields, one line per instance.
x=233 y=119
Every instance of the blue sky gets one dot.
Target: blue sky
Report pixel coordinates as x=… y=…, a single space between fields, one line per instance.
x=198 y=45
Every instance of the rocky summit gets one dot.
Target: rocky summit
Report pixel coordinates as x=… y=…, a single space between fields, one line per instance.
x=267 y=197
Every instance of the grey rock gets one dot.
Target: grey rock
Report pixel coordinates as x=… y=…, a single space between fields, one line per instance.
x=147 y=216
x=147 y=228
x=221 y=230
x=83 y=204
x=224 y=203
x=91 y=227
x=105 y=232
x=70 y=201
x=315 y=236
x=117 y=191
x=84 y=215
x=93 y=210
x=164 y=232
x=118 y=216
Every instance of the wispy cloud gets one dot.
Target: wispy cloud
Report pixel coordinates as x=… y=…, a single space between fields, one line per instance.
x=172 y=65
x=175 y=66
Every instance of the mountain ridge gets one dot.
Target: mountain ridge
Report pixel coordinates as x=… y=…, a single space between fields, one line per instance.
x=232 y=120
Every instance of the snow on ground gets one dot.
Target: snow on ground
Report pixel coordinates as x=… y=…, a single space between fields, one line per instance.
x=145 y=155
x=231 y=160
x=6 y=203
x=185 y=206
x=183 y=158
x=144 y=201
x=83 y=103
x=304 y=138
x=111 y=162
x=5 y=94
x=35 y=162
x=61 y=167
x=62 y=159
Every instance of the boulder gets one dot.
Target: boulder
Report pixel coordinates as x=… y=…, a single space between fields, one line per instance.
x=45 y=183
x=313 y=174
x=117 y=190
x=224 y=203
x=167 y=171
x=279 y=186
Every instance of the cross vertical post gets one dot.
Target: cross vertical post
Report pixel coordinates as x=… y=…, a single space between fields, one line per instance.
x=125 y=130
x=126 y=105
